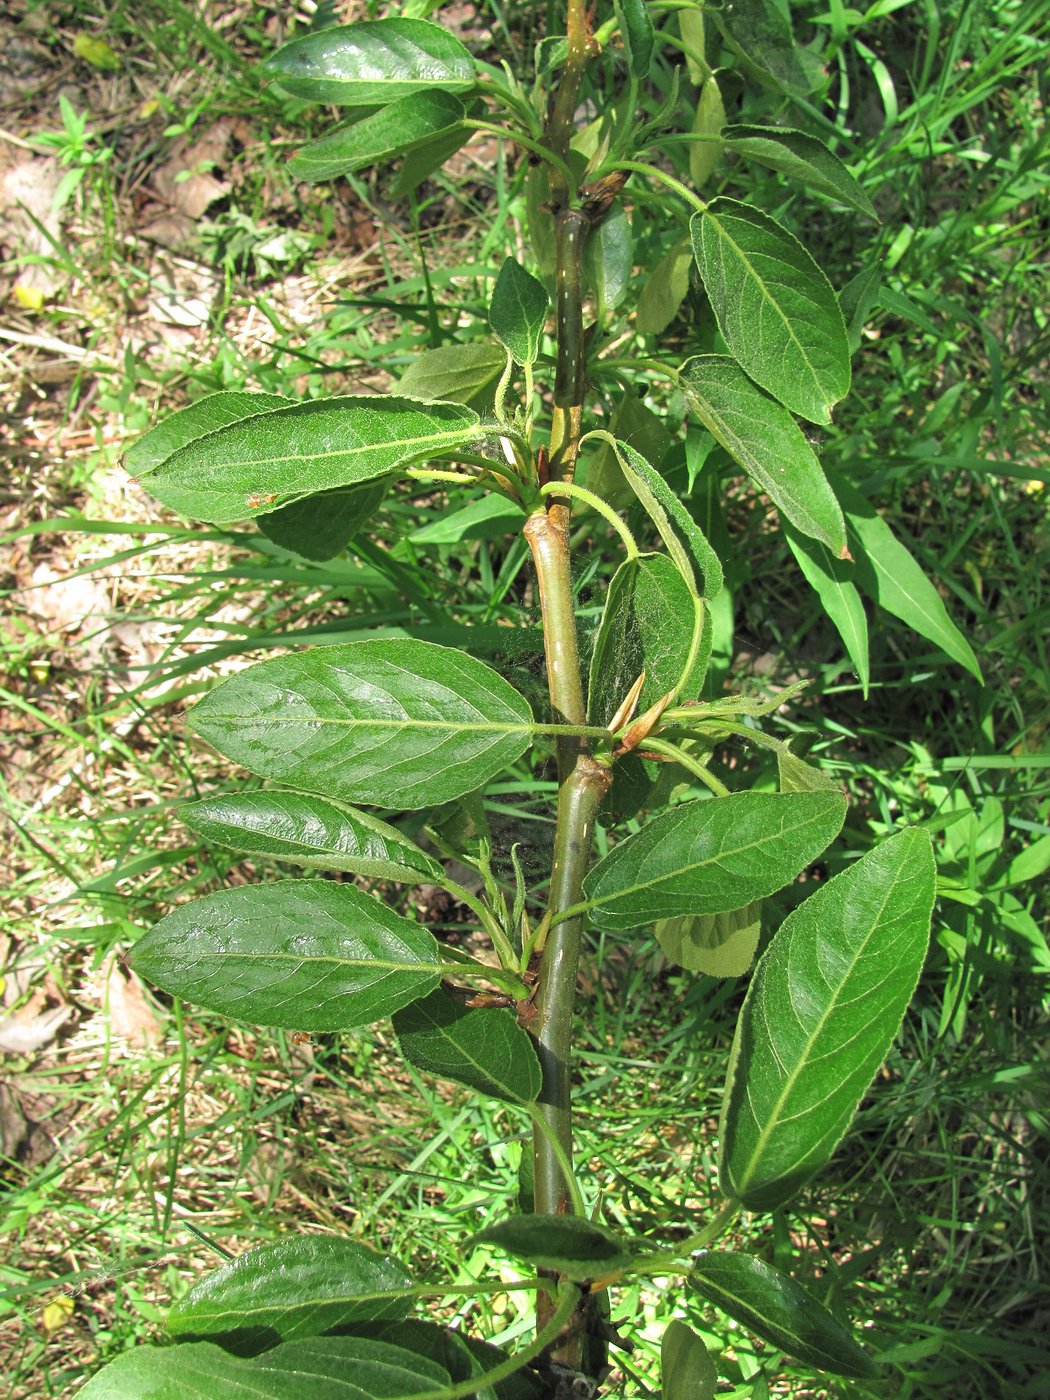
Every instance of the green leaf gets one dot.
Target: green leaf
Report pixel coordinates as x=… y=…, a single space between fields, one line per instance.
x=856 y=300
x=372 y=62
x=779 y=1310
x=683 y=539
x=308 y=955
x=830 y=580
x=665 y=290
x=294 y=1288
x=636 y=31
x=320 y=527
x=465 y=374
x=776 y=309
x=822 y=1010
x=652 y=622
x=395 y=723
x=767 y=442
x=607 y=258
x=198 y=419
x=632 y=422
x=686 y=1369
x=488 y=517
x=706 y=156
x=759 y=31
x=422 y=161
x=572 y=1246
x=888 y=572
x=796 y=775
x=486 y=1050
x=717 y=945
x=312 y=832
x=691 y=28
x=96 y=52
x=705 y=857
x=518 y=311
x=262 y=463
x=379 y=137
x=800 y=157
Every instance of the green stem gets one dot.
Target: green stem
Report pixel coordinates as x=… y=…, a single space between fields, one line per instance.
x=691 y=764
x=663 y=1260
x=580 y=493
x=656 y=173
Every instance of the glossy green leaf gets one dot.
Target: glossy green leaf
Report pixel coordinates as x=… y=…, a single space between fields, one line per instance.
x=636 y=32
x=320 y=527
x=466 y=374
x=767 y=442
x=779 y=1310
x=800 y=157
x=652 y=622
x=379 y=137
x=706 y=156
x=759 y=31
x=607 y=259
x=485 y=1049
x=776 y=309
x=297 y=1287
x=572 y=1246
x=197 y=420
x=822 y=1010
x=889 y=573
x=308 y=955
x=262 y=463
x=518 y=311
x=489 y=517
x=683 y=539
x=830 y=580
x=687 y=1371
x=665 y=291
x=328 y=1368
x=309 y=831
x=394 y=723
x=705 y=857
x=372 y=62
x=717 y=945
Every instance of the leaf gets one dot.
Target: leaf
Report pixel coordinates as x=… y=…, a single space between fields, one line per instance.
x=197 y=420
x=464 y=374
x=706 y=156
x=518 y=311
x=830 y=580
x=308 y=955
x=888 y=572
x=822 y=1010
x=718 y=945
x=568 y=1244
x=634 y=423
x=607 y=259
x=486 y=1050
x=652 y=622
x=296 y=1287
x=691 y=28
x=423 y=161
x=856 y=300
x=766 y=441
x=665 y=291
x=96 y=52
x=309 y=831
x=779 y=1310
x=682 y=537
x=705 y=857
x=775 y=308
x=372 y=62
x=760 y=32
x=636 y=31
x=320 y=527
x=488 y=517
x=800 y=157
x=381 y=136
x=796 y=775
x=395 y=723
x=687 y=1371
x=259 y=464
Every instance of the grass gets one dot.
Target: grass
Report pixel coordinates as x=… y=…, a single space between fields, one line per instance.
x=149 y=1156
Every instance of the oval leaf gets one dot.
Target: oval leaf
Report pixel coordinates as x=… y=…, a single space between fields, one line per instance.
x=261 y=463
x=309 y=831
x=460 y=373
x=518 y=311
x=686 y=1369
x=197 y=420
x=308 y=955
x=637 y=34
x=570 y=1245
x=705 y=857
x=718 y=945
x=830 y=579
x=665 y=291
x=759 y=32
x=803 y=158
x=767 y=442
x=320 y=527
x=779 y=1310
x=381 y=136
x=823 y=1007
x=372 y=62
x=776 y=309
x=394 y=723
x=487 y=1050
x=706 y=156
x=607 y=259
x=683 y=539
